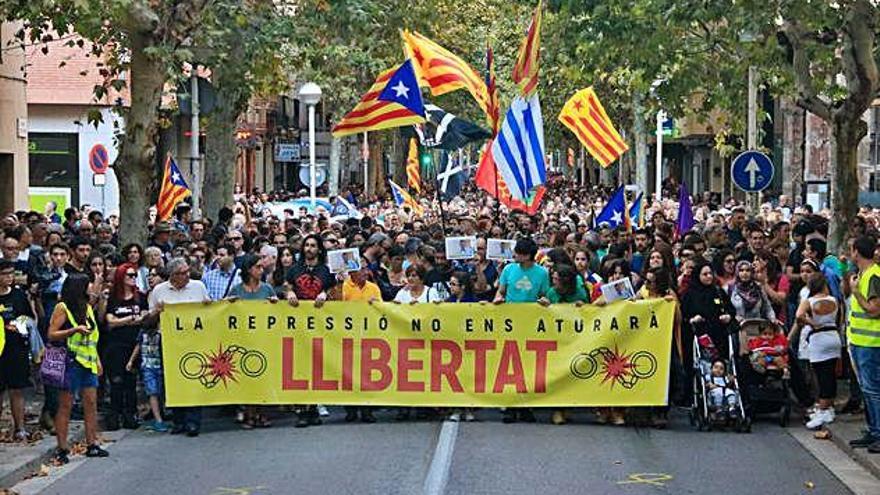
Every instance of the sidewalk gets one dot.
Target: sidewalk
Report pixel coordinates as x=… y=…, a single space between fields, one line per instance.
x=847 y=427
x=20 y=460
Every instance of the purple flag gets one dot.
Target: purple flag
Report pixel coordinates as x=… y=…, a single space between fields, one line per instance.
x=685 y=212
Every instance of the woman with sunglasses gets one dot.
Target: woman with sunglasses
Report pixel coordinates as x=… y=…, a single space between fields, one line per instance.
x=134 y=254
x=125 y=312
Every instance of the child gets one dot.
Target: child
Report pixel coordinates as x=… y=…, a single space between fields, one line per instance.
x=722 y=392
x=149 y=348
x=768 y=350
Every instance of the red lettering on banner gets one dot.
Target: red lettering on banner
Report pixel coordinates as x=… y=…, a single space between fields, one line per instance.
x=370 y=364
x=405 y=365
x=318 y=381
x=480 y=348
x=510 y=357
x=288 y=382
x=450 y=369
x=347 y=363
x=541 y=348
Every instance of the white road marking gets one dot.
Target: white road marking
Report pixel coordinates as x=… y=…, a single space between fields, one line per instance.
x=438 y=472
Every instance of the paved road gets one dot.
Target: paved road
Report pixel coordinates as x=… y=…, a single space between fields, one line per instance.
x=474 y=458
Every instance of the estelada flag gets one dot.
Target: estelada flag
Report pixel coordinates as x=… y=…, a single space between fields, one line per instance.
x=173 y=190
x=525 y=70
x=413 y=173
x=403 y=198
x=584 y=115
x=488 y=179
x=442 y=71
x=394 y=100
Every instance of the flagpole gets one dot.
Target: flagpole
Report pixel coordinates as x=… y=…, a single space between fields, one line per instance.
x=365 y=154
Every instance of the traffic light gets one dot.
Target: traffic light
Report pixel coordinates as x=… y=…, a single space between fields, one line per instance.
x=425 y=159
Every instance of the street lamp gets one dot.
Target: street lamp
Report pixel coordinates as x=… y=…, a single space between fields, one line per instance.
x=310 y=94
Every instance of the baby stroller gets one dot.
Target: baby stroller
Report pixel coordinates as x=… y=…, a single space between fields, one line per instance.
x=716 y=406
x=767 y=379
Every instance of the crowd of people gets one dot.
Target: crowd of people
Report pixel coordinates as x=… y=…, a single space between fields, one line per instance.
x=68 y=282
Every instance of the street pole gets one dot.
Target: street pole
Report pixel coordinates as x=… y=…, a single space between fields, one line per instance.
x=312 y=178
x=752 y=133
x=365 y=154
x=194 y=143
x=583 y=168
x=658 y=178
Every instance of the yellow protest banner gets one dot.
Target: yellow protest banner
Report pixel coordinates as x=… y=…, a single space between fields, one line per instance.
x=254 y=352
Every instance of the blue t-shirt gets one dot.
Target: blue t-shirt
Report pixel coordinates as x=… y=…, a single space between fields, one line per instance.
x=524 y=285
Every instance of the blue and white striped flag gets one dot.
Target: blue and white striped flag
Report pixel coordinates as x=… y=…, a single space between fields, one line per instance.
x=519 y=148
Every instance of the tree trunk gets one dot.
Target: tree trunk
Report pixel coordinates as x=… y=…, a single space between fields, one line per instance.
x=220 y=157
x=333 y=168
x=640 y=137
x=848 y=132
x=377 y=170
x=222 y=152
x=136 y=164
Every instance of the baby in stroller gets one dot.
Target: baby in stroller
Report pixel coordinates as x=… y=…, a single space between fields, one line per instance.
x=768 y=351
x=723 y=398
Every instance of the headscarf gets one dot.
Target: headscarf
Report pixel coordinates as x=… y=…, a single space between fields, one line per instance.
x=748 y=291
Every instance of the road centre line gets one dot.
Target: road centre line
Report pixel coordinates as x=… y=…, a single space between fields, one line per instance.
x=438 y=472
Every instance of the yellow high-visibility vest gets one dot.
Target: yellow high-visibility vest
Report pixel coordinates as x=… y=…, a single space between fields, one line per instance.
x=863 y=331
x=84 y=347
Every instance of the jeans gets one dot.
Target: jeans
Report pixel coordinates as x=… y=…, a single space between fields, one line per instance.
x=866 y=361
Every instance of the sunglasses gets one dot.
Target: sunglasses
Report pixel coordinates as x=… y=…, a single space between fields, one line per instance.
x=131 y=274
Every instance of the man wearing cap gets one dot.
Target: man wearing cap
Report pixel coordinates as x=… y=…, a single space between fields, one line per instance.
x=162 y=239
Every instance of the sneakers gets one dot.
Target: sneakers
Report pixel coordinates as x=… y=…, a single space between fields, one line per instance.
x=861 y=443
x=96 y=451
x=129 y=422
x=527 y=416
x=159 y=427
x=822 y=417
x=874 y=448
x=61 y=456
x=455 y=417
x=469 y=417
x=21 y=436
x=509 y=416
x=323 y=411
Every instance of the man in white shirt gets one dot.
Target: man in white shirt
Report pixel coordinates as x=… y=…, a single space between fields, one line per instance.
x=180 y=289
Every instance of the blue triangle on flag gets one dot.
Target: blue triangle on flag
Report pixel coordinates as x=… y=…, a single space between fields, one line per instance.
x=176 y=176
x=403 y=89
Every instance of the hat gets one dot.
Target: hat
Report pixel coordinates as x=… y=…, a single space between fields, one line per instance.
x=162 y=228
x=377 y=238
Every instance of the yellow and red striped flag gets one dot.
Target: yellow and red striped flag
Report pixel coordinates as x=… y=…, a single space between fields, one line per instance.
x=525 y=70
x=373 y=113
x=413 y=174
x=586 y=118
x=172 y=191
x=442 y=71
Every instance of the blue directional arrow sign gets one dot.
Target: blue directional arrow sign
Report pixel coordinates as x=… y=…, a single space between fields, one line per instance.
x=752 y=171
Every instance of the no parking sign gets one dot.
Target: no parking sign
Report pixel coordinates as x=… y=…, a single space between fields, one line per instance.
x=99 y=159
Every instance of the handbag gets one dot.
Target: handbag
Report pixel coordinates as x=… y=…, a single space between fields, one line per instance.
x=53 y=369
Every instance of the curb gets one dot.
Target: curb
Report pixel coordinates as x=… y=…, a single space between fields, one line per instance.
x=861 y=456
x=46 y=448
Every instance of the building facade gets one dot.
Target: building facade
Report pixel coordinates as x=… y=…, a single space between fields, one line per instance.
x=13 y=122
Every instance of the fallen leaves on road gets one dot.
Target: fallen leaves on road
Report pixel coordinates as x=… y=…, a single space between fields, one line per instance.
x=822 y=435
x=809 y=484
x=7 y=491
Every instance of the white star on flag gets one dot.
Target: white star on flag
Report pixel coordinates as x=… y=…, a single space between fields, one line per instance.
x=617 y=218
x=175 y=177
x=401 y=90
